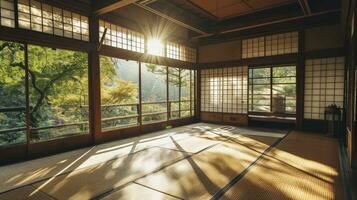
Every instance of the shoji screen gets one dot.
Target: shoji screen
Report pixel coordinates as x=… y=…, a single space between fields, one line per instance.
x=235 y=80
x=324 y=85
x=121 y=37
x=38 y=16
x=7 y=16
x=211 y=90
x=270 y=45
x=224 y=90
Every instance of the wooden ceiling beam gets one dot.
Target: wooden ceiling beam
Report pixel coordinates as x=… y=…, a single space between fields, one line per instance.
x=305 y=7
x=106 y=6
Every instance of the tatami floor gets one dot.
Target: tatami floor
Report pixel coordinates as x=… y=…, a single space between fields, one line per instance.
x=199 y=161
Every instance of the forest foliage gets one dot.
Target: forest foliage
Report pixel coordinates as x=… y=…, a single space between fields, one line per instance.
x=58 y=92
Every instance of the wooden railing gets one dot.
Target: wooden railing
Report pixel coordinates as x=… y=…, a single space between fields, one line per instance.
x=85 y=124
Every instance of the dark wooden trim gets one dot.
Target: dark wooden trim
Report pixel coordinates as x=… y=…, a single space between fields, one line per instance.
x=13 y=154
x=43 y=39
x=46 y=148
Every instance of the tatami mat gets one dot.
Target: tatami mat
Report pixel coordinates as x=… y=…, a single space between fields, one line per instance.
x=198 y=161
x=302 y=166
x=203 y=174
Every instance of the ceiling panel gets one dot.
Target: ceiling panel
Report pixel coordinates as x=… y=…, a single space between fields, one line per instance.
x=229 y=8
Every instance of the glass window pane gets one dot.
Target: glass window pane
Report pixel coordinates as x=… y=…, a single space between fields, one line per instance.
x=58 y=93
x=174 y=92
x=154 y=105
x=12 y=92
x=185 y=102
x=119 y=92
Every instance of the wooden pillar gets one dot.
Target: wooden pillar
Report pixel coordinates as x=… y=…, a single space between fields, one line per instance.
x=27 y=96
x=94 y=81
x=168 y=104
x=140 y=107
x=300 y=80
x=197 y=87
x=180 y=79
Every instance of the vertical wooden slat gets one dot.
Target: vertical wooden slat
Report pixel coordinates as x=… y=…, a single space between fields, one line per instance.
x=197 y=88
x=27 y=97
x=271 y=90
x=190 y=93
x=16 y=8
x=180 y=79
x=168 y=106
x=140 y=118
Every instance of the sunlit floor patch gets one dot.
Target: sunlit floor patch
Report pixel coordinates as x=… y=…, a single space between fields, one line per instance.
x=90 y=182
x=302 y=166
x=136 y=191
x=203 y=174
x=198 y=161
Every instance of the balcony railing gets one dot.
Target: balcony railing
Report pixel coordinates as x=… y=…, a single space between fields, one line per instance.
x=113 y=116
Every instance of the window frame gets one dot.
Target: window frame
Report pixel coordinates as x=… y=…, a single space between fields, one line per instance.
x=271 y=84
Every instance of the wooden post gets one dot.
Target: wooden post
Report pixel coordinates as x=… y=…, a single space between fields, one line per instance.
x=180 y=92
x=94 y=81
x=168 y=108
x=300 y=77
x=140 y=118
x=27 y=96
x=190 y=93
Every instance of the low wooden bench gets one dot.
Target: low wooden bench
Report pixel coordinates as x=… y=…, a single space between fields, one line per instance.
x=268 y=118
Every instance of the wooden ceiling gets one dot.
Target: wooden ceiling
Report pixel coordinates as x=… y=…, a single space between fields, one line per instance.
x=214 y=18
x=223 y=9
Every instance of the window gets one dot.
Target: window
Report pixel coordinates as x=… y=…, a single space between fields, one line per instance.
x=154 y=95
x=7 y=13
x=224 y=90
x=253 y=47
x=188 y=54
x=174 y=92
x=324 y=85
x=119 y=92
x=284 y=90
x=12 y=93
x=180 y=52
x=193 y=92
x=45 y=18
x=58 y=93
x=173 y=50
x=270 y=45
x=120 y=37
x=185 y=95
x=272 y=89
x=259 y=89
